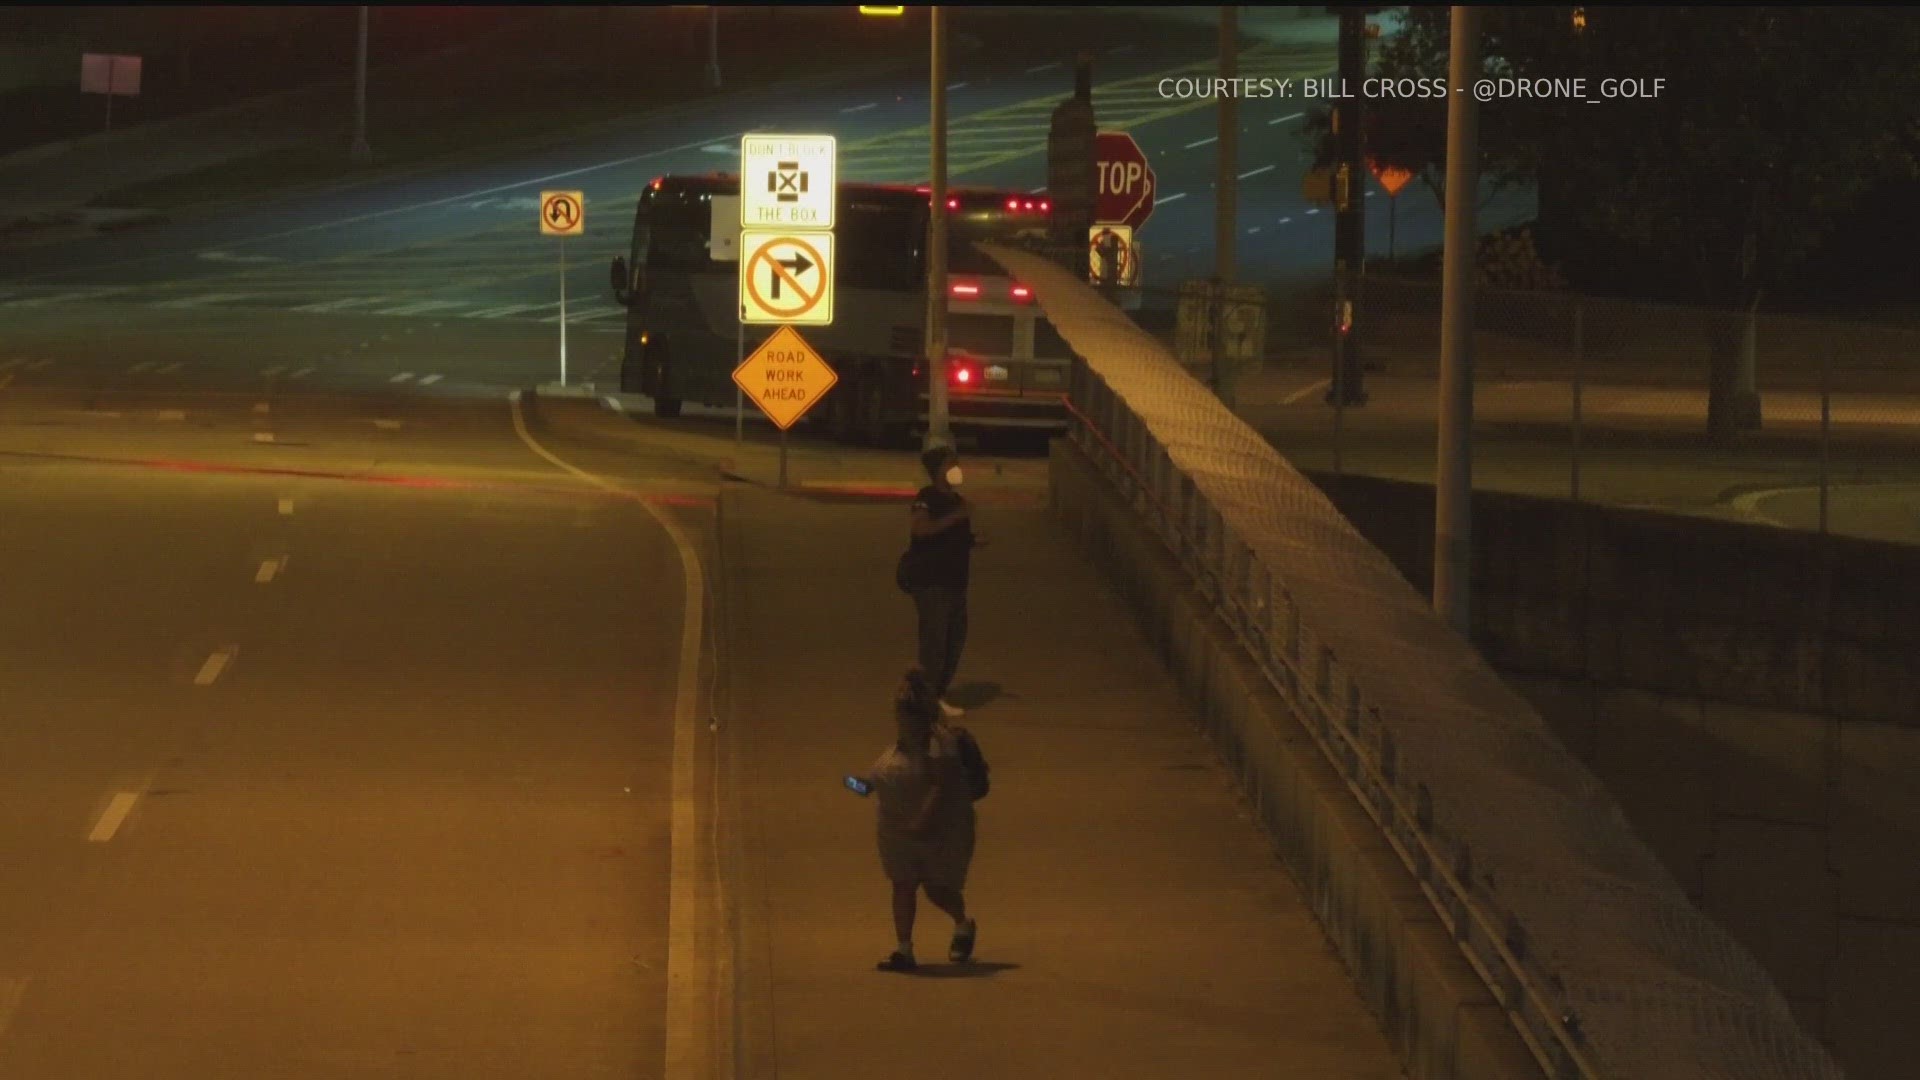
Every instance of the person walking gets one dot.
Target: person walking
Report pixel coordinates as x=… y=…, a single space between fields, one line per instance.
x=925 y=822
x=936 y=569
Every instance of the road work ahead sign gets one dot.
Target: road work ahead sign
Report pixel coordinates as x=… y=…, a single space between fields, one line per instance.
x=787 y=181
x=785 y=377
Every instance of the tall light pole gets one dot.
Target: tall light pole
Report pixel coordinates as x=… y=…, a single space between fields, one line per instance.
x=361 y=151
x=713 y=46
x=1453 y=491
x=1226 y=198
x=938 y=429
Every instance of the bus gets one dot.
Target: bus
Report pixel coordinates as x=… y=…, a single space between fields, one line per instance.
x=1007 y=367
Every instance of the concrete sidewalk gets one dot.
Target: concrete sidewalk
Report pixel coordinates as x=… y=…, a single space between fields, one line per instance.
x=1134 y=921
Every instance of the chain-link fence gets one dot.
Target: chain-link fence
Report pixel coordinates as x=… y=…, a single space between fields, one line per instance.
x=1799 y=421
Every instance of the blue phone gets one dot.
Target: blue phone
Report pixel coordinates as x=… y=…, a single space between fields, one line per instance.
x=858 y=786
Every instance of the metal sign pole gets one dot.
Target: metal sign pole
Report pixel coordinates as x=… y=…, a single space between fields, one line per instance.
x=783 y=458
x=563 y=311
x=739 y=395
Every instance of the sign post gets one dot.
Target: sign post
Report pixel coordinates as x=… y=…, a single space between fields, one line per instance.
x=563 y=214
x=105 y=73
x=789 y=190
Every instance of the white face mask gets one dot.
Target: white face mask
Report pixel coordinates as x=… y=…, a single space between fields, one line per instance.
x=953 y=476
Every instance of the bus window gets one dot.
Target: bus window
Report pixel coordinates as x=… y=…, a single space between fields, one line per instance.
x=881 y=247
x=678 y=225
x=982 y=335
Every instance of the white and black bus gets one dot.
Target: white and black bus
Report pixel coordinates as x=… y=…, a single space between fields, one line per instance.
x=1007 y=370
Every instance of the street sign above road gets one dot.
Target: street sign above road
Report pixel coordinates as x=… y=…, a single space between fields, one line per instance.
x=787 y=181
x=786 y=277
x=1127 y=183
x=785 y=377
x=562 y=213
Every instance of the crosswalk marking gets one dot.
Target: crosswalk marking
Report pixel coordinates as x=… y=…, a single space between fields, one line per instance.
x=338 y=305
x=585 y=314
x=203 y=300
x=508 y=309
x=429 y=380
x=402 y=377
x=420 y=307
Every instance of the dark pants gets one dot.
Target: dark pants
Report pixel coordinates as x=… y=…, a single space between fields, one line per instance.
x=943 y=632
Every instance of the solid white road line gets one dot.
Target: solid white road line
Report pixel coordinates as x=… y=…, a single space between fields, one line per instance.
x=112 y=817
x=1304 y=392
x=429 y=380
x=1037 y=69
x=1256 y=172
x=861 y=108
x=690 y=996
x=1284 y=119
x=268 y=568
x=211 y=670
x=1203 y=142
x=1165 y=199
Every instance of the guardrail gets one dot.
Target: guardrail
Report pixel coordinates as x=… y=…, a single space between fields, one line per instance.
x=1253 y=601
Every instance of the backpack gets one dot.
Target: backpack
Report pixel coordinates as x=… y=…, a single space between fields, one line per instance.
x=972 y=762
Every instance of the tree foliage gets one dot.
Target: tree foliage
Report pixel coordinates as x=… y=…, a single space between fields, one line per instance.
x=1770 y=122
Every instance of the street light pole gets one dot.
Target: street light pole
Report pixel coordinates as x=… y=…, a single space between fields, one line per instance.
x=713 y=46
x=938 y=430
x=361 y=151
x=1453 y=506
x=1226 y=199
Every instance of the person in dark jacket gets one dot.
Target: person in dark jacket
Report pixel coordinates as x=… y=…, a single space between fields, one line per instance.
x=940 y=553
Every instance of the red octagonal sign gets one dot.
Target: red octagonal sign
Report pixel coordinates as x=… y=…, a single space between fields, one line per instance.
x=1126 y=181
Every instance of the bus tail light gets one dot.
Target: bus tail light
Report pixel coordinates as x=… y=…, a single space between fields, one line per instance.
x=966 y=290
x=1021 y=294
x=962 y=372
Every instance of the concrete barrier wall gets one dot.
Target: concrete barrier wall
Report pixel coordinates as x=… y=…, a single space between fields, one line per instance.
x=1433 y=1007
x=1783 y=799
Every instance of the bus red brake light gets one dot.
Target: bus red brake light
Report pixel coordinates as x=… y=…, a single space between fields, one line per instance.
x=1021 y=294
x=1046 y=207
x=1013 y=204
x=953 y=204
x=961 y=373
x=965 y=289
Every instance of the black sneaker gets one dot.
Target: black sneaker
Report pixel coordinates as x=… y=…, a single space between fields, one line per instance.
x=961 y=950
x=898 y=961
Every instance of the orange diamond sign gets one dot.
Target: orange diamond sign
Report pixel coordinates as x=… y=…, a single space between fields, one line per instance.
x=785 y=377
x=1391 y=178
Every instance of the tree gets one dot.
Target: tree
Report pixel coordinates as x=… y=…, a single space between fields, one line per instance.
x=1770 y=122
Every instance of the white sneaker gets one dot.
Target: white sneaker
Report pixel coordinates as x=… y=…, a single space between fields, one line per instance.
x=951 y=710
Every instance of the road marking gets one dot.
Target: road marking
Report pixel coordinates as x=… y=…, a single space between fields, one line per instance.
x=141 y=366
x=337 y=305
x=202 y=300
x=387 y=425
x=614 y=403
x=274 y=370
x=167 y=369
x=261 y=408
x=429 y=380
x=502 y=310
x=1285 y=220
x=268 y=568
x=1256 y=172
x=263 y=436
x=116 y=813
x=957 y=86
x=586 y=313
x=402 y=377
x=1203 y=142
x=301 y=374
x=1313 y=210
x=1037 y=69
x=1253 y=230
x=286 y=507
x=171 y=414
x=690 y=997
x=721 y=148
x=11 y=993
x=1175 y=197
x=211 y=670
x=1284 y=119
x=1301 y=394
x=861 y=108
x=420 y=307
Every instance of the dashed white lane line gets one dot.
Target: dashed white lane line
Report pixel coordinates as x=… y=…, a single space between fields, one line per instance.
x=263 y=436
x=269 y=569
x=1285 y=220
x=861 y=108
x=429 y=380
x=957 y=86
x=1304 y=392
x=1253 y=230
x=1313 y=210
x=1165 y=199
x=286 y=507
x=301 y=374
x=402 y=377
x=1256 y=172
x=1038 y=68
x=113 y=816
x=1202 y=142
x=211 y=670
x=1284 y=119
x=12 y=991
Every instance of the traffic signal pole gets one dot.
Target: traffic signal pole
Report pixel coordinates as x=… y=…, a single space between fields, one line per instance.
x=1347 y=387
x=939 y=432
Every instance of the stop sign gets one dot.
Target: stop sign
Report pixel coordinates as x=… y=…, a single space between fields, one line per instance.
x=1125 y=193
